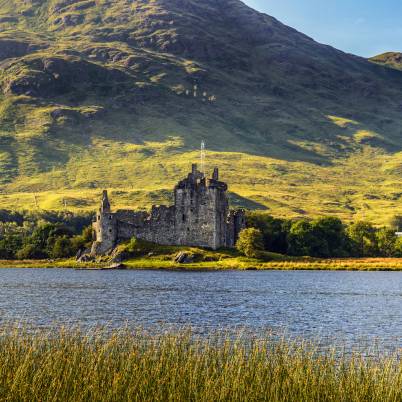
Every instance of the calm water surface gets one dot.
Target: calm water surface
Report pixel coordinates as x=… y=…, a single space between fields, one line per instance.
x=342 y=306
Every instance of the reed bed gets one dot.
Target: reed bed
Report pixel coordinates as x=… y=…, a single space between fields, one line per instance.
x=126 y=365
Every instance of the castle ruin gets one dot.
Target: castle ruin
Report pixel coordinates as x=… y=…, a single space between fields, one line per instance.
x=200 y=217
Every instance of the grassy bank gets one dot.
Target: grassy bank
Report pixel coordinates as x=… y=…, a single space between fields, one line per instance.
x=239 y=263
x=229 y=263
x=163 y=257
x=135 y=366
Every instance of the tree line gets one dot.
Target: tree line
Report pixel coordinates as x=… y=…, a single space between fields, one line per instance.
x=43 y=235
x=325 y=237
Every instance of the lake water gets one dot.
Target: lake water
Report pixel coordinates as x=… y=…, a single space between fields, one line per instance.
x=343 y=307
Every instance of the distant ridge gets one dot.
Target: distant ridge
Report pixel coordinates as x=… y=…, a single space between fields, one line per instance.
x=391 y=59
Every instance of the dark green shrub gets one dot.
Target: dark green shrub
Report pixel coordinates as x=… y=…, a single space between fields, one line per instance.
x=62 y=248
x=386 y=241
x=9 y=246
x=30 y=252
x=250 y=242
x=363 y=239
x=274 y=231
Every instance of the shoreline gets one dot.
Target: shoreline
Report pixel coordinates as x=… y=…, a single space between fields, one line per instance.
x=238 y=263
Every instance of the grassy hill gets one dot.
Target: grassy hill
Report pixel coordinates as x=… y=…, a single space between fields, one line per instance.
x=119 y=94
x=390 y=59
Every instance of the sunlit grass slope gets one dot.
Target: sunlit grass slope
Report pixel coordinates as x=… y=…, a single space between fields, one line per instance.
x=364 y=185
x=390 y=59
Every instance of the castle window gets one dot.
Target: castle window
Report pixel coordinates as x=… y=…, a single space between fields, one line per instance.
x=110 y=217
x=184 y=217
x=110 y=230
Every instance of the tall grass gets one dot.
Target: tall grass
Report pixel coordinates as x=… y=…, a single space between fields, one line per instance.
x=137 y=366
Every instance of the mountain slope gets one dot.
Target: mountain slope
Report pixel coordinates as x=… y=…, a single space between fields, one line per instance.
x=120 y=93
x=391 y=59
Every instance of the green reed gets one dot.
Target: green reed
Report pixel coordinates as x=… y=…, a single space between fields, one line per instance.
x=126 y=365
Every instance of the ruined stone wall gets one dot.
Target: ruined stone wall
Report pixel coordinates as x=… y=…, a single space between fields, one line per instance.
x=199 y=217
x=220 y=209
x=239 y=224
x=161 y=225
x=156 y=227
x=230 y=230
x=132 y=217
x=236 y=222
x=130 y=224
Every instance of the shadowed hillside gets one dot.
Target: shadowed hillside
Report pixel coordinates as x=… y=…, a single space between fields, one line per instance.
x=120 y=94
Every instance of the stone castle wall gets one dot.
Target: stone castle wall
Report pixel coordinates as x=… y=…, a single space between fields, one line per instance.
x=199 y=217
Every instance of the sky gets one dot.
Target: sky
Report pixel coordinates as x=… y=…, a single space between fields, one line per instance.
x=365 y=28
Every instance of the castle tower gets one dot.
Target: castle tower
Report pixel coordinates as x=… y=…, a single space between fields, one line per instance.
x=201 y=210
x=219 y=207
x=105 y=228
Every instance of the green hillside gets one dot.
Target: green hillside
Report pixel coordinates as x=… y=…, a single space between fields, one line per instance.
x=118 y=94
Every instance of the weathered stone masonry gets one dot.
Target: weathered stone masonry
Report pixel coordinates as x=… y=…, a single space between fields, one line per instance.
x=199 y=217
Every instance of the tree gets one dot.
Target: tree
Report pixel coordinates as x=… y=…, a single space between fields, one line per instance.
x=9 y=246
x=87 y=234
x=250 y=242
x=363 y=239
x=330 y=237
x=62 y=248
x=42 y=241
x=398 y=247
x=386 y=240
x=82 y=241
x=274 y=231
x=303 y=240
x=30 y=252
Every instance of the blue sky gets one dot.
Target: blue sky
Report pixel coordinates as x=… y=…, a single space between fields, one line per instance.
x=365 y=28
